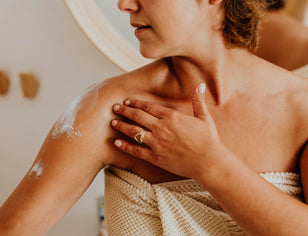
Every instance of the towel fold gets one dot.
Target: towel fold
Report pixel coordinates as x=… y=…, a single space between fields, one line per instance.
x=133 y=206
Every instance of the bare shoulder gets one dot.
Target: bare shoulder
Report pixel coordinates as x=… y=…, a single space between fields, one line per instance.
x=298 y=101
x=137 y=81
x=299 y=98
x=95 y=108
x=140 y=82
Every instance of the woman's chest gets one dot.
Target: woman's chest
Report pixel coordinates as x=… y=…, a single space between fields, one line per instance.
x=265 y=142
x=267 y=138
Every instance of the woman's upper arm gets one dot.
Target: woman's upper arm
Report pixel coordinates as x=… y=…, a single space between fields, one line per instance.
x=72 y=154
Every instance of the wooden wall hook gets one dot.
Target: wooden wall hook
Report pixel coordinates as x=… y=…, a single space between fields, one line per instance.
x=29 y=84
x=4 y=83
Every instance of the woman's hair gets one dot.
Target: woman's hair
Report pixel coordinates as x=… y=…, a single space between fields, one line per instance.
x=241 y=23
x=275 y=4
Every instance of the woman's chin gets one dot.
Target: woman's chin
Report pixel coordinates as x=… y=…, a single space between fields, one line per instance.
x=154 y=54
x=148 y=54
x=151 y=52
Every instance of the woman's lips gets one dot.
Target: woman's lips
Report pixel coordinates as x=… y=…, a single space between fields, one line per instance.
x=141 y=29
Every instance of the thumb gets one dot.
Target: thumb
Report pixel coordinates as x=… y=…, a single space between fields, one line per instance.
x=198 y=102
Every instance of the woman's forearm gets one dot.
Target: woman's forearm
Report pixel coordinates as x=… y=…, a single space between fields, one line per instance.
x=44 y=196
x=254 y=204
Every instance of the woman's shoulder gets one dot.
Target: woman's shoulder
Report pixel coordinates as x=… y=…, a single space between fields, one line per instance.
x=139 y=81
x=298 y=100
x=298 y=91
x=144 y=74
x=95 y=108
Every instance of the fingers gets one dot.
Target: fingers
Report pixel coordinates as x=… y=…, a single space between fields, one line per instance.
x=150 y=108
x=133 y=131
x=198 y=102
x=134 y=150
x=136 y=115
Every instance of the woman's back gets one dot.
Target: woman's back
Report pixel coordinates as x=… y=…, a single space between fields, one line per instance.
x=283 y=41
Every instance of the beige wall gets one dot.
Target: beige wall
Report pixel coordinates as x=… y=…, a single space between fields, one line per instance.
x=298 y=9
x=41 y=37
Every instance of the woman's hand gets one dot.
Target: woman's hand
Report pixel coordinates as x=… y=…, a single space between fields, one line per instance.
x=190 y=146
x=182 y=144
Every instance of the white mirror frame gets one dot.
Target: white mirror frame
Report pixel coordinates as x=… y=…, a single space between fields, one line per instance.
x=103 y=35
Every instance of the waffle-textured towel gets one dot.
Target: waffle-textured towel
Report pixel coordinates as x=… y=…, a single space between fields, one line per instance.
x=302 y=71
x=133 y=206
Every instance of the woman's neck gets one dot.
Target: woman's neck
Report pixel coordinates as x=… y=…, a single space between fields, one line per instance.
x=225 y=74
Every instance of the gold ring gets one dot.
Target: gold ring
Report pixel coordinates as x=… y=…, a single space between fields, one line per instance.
x=140 y=136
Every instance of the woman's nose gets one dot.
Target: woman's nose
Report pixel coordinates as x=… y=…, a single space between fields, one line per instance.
x=128 y=6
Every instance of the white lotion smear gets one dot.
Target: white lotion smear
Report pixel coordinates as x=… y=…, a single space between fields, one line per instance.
x=65 y=124
x=37 y=169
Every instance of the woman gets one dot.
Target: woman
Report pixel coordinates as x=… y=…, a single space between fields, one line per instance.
x=258 y=111
x=220 y=144
x=283 y=40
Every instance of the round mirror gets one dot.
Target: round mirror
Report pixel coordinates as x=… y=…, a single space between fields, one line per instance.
x=109 y=30
x=119 y=20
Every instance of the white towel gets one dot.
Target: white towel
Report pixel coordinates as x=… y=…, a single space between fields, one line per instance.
x=133 y=206
x=303 y=71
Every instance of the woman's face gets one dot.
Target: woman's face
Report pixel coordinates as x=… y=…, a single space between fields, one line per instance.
x=174 y=26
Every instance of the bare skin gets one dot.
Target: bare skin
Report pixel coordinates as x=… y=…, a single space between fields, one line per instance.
x=283 y=41
x=252 y=115
x=265 y=106
x=278 y=112
x=257 y=206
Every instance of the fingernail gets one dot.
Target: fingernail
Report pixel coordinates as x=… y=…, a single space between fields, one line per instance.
x=118 y=143
x=127 y=102
x=116 y=107
x=114 y=122
x=202 y=88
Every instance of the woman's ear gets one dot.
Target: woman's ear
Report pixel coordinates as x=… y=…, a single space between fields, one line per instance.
x=215 y=2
